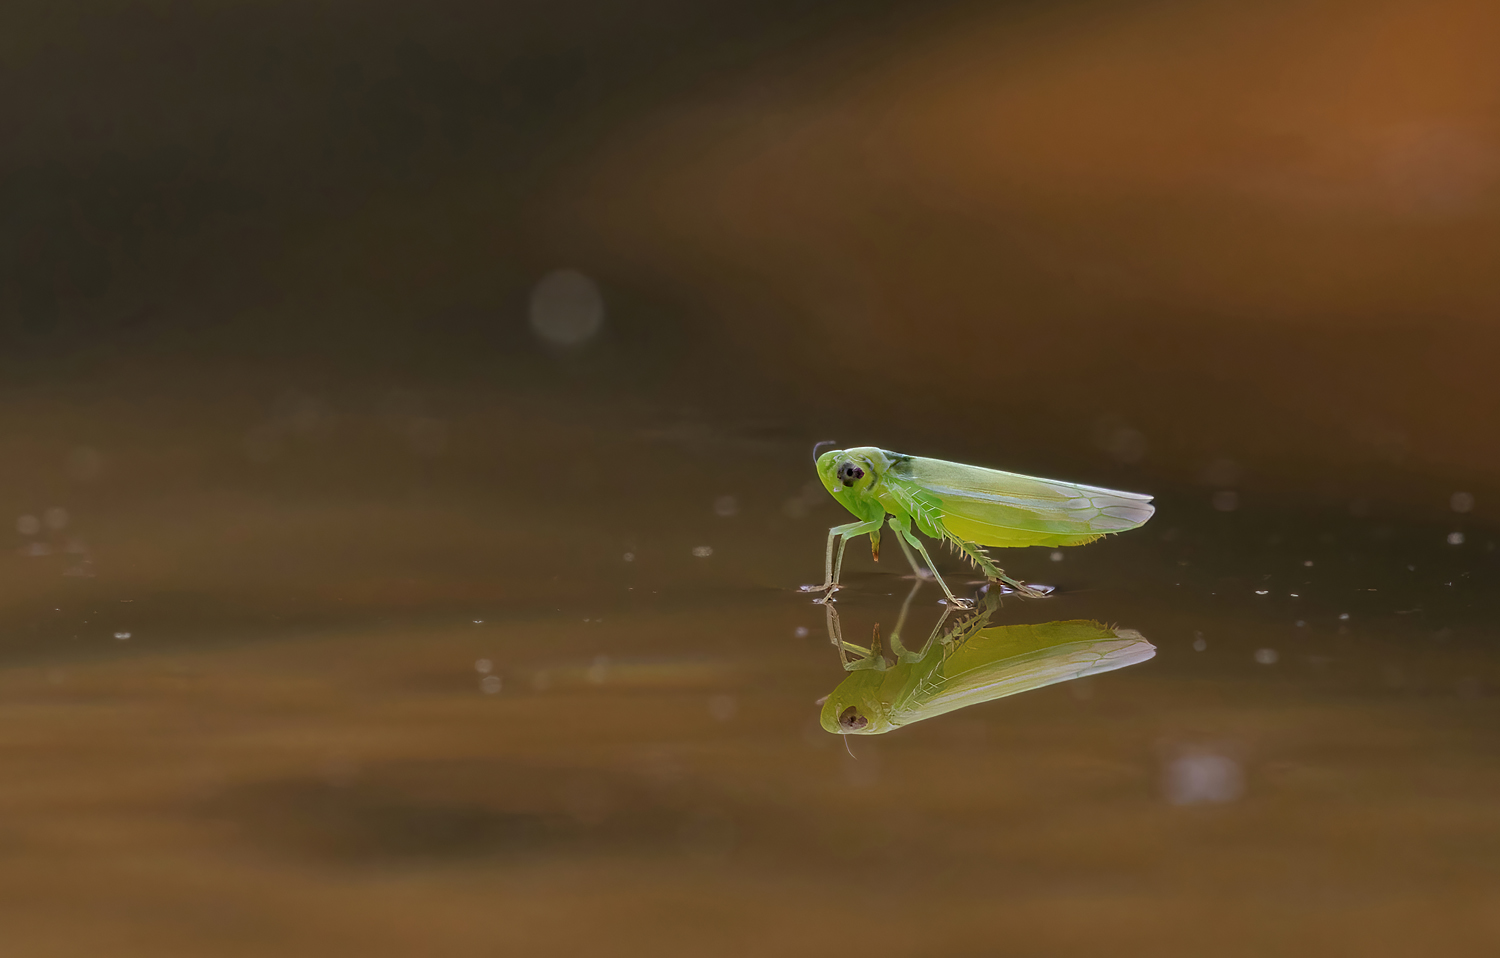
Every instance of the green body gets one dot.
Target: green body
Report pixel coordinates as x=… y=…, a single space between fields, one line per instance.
x=974 y=665
x=968 y=507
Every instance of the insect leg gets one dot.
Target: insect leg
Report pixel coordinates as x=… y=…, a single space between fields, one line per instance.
x=904 y=531
x=992 y=571
x=859 y=529
x=831 y=571
x=910 y=557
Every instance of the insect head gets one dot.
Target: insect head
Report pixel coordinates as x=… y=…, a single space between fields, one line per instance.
x=849 y=472
x=851 y=719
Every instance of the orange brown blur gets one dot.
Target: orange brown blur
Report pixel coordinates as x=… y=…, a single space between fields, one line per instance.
x=1266 y=232
x=406 y=419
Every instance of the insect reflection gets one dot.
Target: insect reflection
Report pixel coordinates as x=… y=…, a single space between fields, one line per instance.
x=965 y=664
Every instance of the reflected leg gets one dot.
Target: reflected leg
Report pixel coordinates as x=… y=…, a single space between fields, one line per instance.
x=868 y=658
x=896 y=647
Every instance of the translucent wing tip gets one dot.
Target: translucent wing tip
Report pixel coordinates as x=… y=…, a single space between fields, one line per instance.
x=1128 y=648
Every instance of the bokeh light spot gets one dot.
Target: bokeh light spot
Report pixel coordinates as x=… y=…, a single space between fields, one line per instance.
x=567 y=308
x=1200 y=778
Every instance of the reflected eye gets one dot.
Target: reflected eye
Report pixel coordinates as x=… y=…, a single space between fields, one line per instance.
x=850 y=718
x=849 y=472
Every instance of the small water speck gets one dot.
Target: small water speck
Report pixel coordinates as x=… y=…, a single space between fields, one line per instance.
x=703 y=552
x=1226 y=500
x=1294 y=595
x=479 y=622
x=490 y=684
x=122 y=636
x=1461 y=502
x=1203 y=778
x=28 y=525
x=1266 y=656
x=629 y=557
x=1343 y=617
x=1057 y=556
x=800 y=631
x=1307 y=563
x=598 y=671
x=1455 y=538
x=722 y=707
x=1300 y=623
x=1199 y=642
x=726 y=506
x=1262 y=591
x=484 y=666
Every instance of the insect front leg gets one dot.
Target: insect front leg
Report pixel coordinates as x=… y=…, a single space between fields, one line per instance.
x=832 y=570
x=902 y=528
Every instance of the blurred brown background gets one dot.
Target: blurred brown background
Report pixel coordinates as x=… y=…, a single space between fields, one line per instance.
x=1261 y=233
x=377 y=587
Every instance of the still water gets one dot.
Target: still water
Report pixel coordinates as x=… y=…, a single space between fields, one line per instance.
x=406 y=429
x=474 y=673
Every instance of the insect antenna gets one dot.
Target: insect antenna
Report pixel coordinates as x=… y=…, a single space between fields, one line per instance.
x=820 y=445
x=848 y=749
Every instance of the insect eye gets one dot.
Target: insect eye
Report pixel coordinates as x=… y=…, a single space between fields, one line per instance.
x=849 y=472
x=850 y=718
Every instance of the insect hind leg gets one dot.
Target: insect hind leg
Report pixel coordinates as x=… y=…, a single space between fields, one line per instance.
x=987 y=565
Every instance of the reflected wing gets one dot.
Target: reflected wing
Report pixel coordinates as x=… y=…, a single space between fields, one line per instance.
x=1011 y=659
x=997 y=508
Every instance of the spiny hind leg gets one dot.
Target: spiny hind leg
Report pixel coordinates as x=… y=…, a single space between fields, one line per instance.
x=992 y=571
x=904 y=531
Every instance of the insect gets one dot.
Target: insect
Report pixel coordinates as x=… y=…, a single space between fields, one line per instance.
x=968 y=507
x=968 y=665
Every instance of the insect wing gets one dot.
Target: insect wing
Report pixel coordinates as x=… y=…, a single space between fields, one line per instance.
x=991 y=507
x=1011 y=659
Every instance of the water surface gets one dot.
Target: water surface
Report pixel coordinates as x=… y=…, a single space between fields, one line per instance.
x=354 y=695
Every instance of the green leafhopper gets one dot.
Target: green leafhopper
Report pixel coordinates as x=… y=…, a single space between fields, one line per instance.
x=968 y=507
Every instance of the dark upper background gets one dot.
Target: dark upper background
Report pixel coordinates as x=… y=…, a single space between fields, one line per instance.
x=1211 y=244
